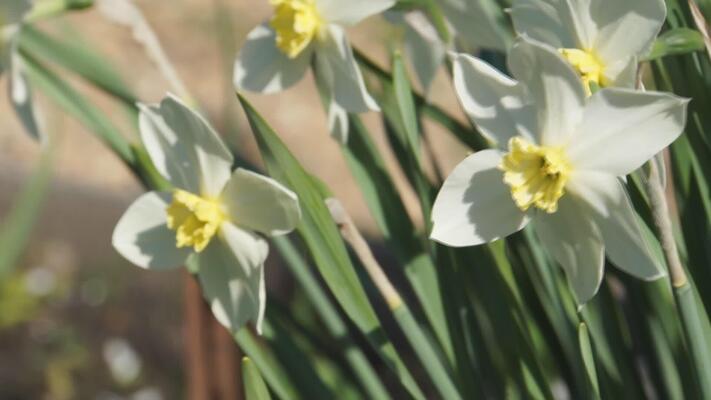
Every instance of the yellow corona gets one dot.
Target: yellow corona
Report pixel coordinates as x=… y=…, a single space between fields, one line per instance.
x=194 y=219
x=587 y=65
x=536 y=174
x=296 y=23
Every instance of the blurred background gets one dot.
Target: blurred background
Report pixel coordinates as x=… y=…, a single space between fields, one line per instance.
x=76 y=320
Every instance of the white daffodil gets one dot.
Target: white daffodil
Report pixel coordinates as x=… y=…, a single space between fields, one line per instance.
x=602 y=39
x=212 y=214
x=277 y=54
x=559 y=162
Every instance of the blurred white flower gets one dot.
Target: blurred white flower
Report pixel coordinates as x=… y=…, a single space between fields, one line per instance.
x=212 y=213
x=602 y=39
x=123 y=361
x=559 y=161
x=277 y=54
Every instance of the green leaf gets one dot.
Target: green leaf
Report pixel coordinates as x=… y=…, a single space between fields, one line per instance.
x=425 y=352
x=388 y=210
x=77 y=58
x=254 y=386
x=588 y=358
x=270 y=369
x=321 y=236
x=17 y=225
x=468 y=136
x=80 y=107
x=330 y=317
x=406 y=106
x=695 y=322
x=677 y=41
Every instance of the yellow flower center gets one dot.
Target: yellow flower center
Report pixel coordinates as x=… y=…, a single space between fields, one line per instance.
x=536 y=174
x=587 y=65
x=296 y=22
x=194 y=219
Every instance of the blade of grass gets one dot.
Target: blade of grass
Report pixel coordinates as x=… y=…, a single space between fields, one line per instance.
x=254 y=386
x=330 y=317
x=270 y=369
x=323 y=240
x=17 y=225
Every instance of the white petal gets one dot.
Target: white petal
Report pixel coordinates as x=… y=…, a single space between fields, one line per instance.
x=172 y=157
x=143 y=238
x=625 y=243
x=339 y=70
x=260 y=203
x=20 y=95
x=232 y=277
x=493 y=101
x=622 y=73
x=423 y=47
x=261 y=67
x=541 y=20
x=622 y=129
x=475 y=24
x=626 y=28
x=185 y=148
x=338 y=123
x=554 y=86
x=349 y=12
x=575 y=242
x=474 y=205
x=578 y=15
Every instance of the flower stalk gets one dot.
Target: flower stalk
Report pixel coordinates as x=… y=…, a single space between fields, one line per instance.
x=662 y=220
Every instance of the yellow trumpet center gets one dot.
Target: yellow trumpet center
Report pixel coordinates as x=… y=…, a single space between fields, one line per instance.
x=194 y=219
x=296 y=23
x=536 y=174
x=587 y=65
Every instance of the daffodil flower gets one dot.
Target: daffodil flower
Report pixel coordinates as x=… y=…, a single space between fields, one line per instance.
x=278 y=53
x=559 y=161
x=212 y=213
x=602 y=39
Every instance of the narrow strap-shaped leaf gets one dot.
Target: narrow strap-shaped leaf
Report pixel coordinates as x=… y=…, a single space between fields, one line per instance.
x=468 y=136
x=389 y=212
x=588 y=359
x=330 y=317
x=675 y=42
x=325 y=244
x=78 y=106
x=693 y=319
x=78 y=59
x=254 y=386
x=17 y=225
x=270 y=369
x=406 y=106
